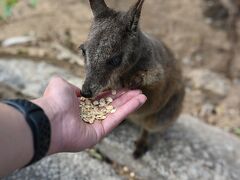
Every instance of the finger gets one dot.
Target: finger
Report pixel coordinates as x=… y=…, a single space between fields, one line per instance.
x=113 y=120
x=52 y=83
x=76 y=90
x=57 y=79
x=125 y=98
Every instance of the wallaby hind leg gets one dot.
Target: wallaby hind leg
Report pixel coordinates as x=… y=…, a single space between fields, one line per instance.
x=169 y=114
x=162 y=120
x=141 y=145
x=159 y=122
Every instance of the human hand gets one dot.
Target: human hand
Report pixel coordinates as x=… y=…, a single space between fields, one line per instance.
x=69 y=133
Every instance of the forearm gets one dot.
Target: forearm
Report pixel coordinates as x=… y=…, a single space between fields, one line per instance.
x=16 y=140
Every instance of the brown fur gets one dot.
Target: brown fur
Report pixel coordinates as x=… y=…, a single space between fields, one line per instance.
x=119 y=55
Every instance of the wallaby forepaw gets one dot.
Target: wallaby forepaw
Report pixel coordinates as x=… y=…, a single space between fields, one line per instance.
x=141 y=147
x=137 y=81
x=140 y=151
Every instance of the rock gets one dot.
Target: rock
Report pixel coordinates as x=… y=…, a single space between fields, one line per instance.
x=67 y=166
x=66 y=54
x=209 y=81
x=7 y=92
x=19 y=40
x=31 y=78
x=207 y=110
x=189 y=150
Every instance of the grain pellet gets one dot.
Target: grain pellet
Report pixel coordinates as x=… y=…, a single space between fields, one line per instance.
x=114 y=92
x=92 y=111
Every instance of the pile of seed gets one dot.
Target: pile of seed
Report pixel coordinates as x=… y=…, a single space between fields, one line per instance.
x=96 y=110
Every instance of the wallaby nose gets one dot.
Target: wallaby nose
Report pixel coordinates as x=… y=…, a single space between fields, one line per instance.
x=87 y=93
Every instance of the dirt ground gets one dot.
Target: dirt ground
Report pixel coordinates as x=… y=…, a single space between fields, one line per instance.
x=198 y=32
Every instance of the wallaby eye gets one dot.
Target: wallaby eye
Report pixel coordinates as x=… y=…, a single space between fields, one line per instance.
x=115 y=61
x=83 y=50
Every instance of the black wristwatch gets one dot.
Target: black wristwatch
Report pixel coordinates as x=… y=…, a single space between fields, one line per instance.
x=39 y=124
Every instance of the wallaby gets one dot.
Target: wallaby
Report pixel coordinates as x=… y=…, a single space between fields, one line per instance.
x=118 y=55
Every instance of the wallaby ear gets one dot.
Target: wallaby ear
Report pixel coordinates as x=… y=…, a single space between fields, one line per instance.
x=134 y=14
x=98 y=7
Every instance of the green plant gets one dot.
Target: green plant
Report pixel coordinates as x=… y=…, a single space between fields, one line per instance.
x=237 y=131
x=33 y=3
x=7 y=6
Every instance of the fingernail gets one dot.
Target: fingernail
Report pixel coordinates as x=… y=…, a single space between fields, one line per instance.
x=142 y=100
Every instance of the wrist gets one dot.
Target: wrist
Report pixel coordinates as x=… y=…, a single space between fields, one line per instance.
x=55 y=143
x=16 y=140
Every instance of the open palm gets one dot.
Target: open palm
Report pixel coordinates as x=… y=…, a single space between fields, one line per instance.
x=69 y=132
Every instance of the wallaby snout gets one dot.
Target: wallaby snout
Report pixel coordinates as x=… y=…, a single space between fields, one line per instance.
x=86 y=91
x=92 y=86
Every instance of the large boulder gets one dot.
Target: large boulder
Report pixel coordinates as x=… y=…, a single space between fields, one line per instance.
x=209 y=81
x=31 y=78
x=67 y=166
x=190 y=150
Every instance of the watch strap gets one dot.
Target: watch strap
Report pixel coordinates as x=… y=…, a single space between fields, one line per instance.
x=38 y=123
